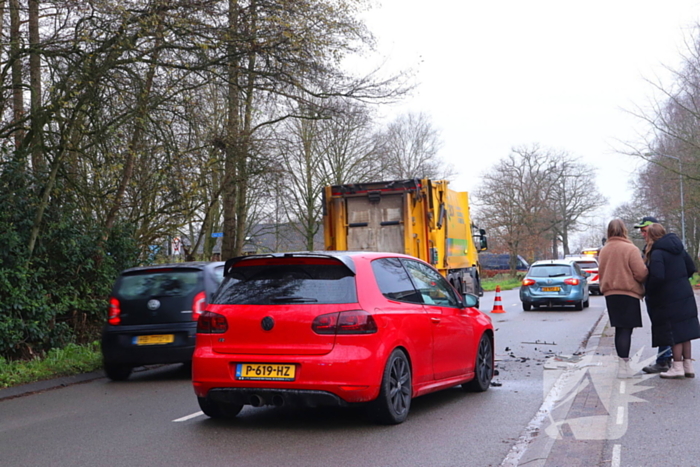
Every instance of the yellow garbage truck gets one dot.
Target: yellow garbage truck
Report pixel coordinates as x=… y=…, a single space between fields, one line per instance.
x=418 y=217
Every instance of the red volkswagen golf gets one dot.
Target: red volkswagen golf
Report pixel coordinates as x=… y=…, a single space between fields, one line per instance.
x=337 y=328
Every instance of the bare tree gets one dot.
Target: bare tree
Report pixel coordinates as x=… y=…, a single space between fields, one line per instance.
x=409 y=148
x=302 y=165
x=574 y=196
x=658 y=191
x=593 y=237
x=117 y=90
x=515 y=197
x=278 y=50
x=110 y=136
x=535 y=198
x=349 y=152
x=672 y=146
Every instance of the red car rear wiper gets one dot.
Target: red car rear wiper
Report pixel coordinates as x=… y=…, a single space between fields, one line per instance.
x=293 y=299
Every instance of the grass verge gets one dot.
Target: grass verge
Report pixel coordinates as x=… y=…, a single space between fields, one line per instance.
x=70 y=360
x=506 y=281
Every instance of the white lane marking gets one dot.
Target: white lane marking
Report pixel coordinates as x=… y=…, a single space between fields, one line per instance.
x=620 y=415
x=533 y=429
x=187 y=417
x=615 y=461
x=622 y=387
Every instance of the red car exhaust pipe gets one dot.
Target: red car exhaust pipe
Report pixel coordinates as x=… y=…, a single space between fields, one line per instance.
x=277 y=400
x=256 y=401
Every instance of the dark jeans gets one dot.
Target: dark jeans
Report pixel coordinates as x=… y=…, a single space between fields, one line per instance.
x=664 y=355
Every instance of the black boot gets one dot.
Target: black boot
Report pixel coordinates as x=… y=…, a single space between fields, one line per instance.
x=657 y=367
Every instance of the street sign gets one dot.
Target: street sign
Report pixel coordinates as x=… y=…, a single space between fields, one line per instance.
x=217 y=234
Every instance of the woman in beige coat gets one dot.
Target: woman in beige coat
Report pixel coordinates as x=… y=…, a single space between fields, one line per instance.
x=622 y=275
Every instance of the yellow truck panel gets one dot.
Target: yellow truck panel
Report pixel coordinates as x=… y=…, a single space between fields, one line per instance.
x=421 y=218
x=459 y=241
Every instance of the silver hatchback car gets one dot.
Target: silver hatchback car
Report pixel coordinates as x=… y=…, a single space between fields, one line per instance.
x=552 y=283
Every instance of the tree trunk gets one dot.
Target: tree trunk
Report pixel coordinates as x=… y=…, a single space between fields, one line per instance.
x=245 y=137
x=228 y=244
x=209 y=226
x=17 y=91
x=565 y=241
x=308 y=158
x=38 y=161
x=3 y=103
x=513 y=248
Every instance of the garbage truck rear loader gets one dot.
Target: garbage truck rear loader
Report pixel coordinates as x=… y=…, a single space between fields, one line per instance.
x=422 y=218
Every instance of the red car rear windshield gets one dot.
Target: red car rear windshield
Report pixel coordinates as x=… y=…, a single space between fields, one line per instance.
x=275 y=284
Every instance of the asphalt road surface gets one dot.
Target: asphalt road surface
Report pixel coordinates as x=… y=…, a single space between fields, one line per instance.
x=555 y=402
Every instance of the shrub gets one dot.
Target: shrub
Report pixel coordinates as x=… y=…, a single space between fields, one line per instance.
x=57 y=295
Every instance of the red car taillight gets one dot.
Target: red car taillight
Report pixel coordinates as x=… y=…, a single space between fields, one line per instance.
x=212 y=323
x=571 y=281
x=114 y=312
x=345 y=322
x=527 y=282
x=198 y=305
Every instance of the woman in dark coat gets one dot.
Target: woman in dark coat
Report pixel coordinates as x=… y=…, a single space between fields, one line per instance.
x=670 y=299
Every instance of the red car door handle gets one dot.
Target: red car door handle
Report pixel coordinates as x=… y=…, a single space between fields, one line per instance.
x=435 y=320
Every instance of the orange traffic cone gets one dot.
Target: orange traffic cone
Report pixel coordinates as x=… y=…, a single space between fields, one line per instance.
x=497 y=307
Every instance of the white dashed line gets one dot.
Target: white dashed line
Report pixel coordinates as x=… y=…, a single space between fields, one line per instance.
x=622 y=387
x=188 y=417
x=615 y=461
x=620 y=415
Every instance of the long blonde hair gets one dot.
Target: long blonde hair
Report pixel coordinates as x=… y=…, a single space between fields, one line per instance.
x=654 y=232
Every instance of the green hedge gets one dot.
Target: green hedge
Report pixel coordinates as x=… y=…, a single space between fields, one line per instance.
x=58 y=295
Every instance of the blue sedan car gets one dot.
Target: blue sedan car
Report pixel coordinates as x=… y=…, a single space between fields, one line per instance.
x=553 y=283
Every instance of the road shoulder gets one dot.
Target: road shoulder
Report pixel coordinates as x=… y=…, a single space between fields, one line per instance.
x=49 y=384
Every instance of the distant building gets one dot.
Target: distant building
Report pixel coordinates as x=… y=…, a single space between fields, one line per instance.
x=266 y=238
x=263 y=238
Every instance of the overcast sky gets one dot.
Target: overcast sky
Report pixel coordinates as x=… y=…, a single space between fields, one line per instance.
x=502 y=74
